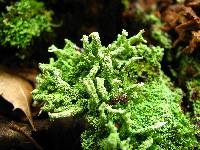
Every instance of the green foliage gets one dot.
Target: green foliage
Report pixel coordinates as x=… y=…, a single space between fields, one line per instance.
x=161 y=37
x=156 y=33
x=126 y=4
x=148 y=20
x=188 y=66
x=185 y=68
x=194 y=96
x=23 y=21
x=120 y=90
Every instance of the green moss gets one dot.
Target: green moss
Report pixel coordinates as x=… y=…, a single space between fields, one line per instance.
x=23 y=21
x=156 y=33
x=188 y=66
x=120 y=90
x=194 y=96
x=147 y=19
x=161 y=37
x=126 y=4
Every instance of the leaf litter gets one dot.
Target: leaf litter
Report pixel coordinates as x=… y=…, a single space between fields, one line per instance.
x=17 y=91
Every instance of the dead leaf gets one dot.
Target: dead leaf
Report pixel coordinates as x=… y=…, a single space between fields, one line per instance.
x=194 y=43
x=28 y=74
x=193 y=3
x=183 y=19
x=17 y=91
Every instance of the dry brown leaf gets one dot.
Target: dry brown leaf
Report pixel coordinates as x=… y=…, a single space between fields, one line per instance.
x=17 y=91
x=185 y=21
x=28 y=74
x=193 y=3
x=194 y=43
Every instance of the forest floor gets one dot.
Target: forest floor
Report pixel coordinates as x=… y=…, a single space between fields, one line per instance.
x=20 y=125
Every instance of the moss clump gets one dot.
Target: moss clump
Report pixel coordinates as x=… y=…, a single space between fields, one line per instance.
x=155 y=24
x=194 y=96
x=23 y=21
x=120 y=90
x=144 y=14
x=187 y=75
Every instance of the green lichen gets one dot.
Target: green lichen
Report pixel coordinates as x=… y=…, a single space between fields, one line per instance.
x=120 y=90
x=23 y=21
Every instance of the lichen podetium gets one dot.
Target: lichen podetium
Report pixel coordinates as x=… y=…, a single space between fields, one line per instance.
x=121 y=92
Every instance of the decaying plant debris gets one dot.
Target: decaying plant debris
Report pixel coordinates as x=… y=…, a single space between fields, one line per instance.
x=185 y=21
